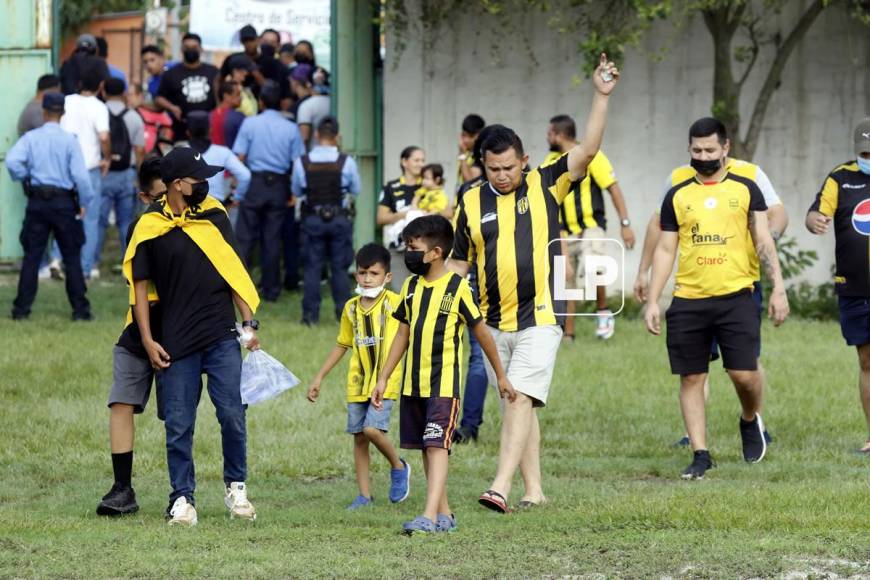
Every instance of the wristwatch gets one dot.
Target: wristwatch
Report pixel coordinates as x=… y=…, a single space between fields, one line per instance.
x=254 y=324
x=625 y=222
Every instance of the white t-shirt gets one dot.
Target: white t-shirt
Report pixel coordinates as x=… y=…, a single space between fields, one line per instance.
x=311 y=111
x=86 y=118
x=761 y=180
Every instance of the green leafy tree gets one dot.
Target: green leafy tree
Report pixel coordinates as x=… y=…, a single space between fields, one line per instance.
x=76 y=13
x=740 y=30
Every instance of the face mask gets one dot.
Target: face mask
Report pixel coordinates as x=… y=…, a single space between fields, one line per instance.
x=864 y=165
x=267 y=50
x=302 y=59
x=554 y=148
x=198 y=193
x=414 y=262
x=191 y=55
x=706 y=167
x=369 y=292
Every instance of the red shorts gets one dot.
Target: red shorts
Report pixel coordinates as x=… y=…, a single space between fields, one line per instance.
x=427 y=421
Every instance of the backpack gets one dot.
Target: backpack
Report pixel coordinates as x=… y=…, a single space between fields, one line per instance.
x=122 y=148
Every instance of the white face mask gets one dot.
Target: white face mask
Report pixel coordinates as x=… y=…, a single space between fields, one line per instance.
x=369 y=292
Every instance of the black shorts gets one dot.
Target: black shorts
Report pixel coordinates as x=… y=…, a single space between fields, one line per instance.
x=427 y=421
x=693 y=323
x=758 y=298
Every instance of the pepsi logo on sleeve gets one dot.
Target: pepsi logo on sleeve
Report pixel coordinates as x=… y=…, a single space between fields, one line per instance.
x=861 y=218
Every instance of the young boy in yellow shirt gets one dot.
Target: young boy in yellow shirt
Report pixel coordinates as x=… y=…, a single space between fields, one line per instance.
x=436 y=306
x=368 y=329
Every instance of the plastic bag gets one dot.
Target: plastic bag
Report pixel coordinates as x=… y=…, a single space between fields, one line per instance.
x=264 y=378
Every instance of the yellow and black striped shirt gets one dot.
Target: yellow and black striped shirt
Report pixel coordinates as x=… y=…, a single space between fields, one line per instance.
x=369 y=333
x=507 y=237
x=584 y=206
x=437 y=313
x=845 y=196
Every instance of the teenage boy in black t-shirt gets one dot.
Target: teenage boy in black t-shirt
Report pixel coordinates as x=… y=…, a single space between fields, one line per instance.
x=131 y=381
x=183 y=246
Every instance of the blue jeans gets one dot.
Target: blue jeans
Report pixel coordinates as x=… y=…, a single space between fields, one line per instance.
x=475 y=387
x=290 y=239
x=92 y=223
x=118 y=193
x=182 y=386
x=321 y=239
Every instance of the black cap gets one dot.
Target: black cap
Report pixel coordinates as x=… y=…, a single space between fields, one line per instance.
x=247 y=32
x=184 y=162
x=53 y=102
x=242 y=61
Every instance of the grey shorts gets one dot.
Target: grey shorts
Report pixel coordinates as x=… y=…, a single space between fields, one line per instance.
x=131 y=379
x=362 y=415
x=528 y=356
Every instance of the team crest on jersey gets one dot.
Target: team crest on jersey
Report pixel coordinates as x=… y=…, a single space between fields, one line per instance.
x=710 y=203
x=523 y=205
x=861 y=218
x=446 y=304
x=733 y=203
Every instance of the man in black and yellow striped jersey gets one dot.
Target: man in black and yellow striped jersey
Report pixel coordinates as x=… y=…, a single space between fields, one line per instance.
x=436 y=305
x=845 y=200
x=714 y=218
x=508 y=230
x=583 y=217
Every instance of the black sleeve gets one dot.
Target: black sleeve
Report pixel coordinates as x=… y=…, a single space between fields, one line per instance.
x=756 y=198
x=142 y=262
x=387 y=198
x=130 y=229
x=668 y=215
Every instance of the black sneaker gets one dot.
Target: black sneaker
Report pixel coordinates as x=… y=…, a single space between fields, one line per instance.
x=119 y=501
x=700 y=464
x=464 y=435
x=754 y=442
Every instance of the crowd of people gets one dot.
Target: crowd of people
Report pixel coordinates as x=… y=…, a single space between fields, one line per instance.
x=246 y=179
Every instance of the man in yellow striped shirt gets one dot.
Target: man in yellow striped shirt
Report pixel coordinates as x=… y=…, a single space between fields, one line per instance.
x=508 y=230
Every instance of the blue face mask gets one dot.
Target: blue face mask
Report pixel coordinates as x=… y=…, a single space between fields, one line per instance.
x=864 y=165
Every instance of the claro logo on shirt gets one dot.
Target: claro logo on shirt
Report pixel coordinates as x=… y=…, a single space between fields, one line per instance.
x=700 y=238
x=195 y=89
x=718 y=260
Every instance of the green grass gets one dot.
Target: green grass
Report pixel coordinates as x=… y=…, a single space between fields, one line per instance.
x=617 y=507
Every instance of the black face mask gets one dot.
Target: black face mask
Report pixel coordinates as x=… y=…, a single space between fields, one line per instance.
x=414 y=262
x=303 y=59
x=198 y=193
x=554 y=148
x=706 y=167
x=267 y=50
x=191 y=56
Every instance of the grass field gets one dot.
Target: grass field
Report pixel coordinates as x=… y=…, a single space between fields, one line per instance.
x=617 y=507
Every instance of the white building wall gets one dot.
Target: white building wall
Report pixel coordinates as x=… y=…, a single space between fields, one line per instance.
x=825 y=89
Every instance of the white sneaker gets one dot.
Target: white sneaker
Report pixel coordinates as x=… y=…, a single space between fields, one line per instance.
x=55 y=270
x=606 y=324
x=95 y=274
x=183 y=513
x=236 y=500
x=44 y=273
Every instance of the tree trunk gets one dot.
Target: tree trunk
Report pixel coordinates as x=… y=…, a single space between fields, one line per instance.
x=726 y=91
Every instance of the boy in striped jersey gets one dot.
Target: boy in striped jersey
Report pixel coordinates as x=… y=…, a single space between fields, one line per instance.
x=435 y=307
x=368 y=329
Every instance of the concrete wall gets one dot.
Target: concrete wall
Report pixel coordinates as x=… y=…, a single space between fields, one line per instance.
x=825 y=90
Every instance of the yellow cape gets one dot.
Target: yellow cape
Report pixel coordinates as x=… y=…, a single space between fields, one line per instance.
x=198 y=223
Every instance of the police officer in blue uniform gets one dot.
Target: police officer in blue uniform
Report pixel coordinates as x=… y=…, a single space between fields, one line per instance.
x=325 y=181
x=49 y=162
x=268 y=144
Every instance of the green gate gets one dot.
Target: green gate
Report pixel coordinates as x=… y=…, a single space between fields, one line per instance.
x=25 y=55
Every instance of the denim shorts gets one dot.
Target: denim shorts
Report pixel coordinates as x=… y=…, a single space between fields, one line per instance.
x=362 y=415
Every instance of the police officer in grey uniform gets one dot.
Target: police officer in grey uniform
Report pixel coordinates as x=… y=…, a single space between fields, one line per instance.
x=49 y=162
